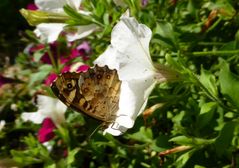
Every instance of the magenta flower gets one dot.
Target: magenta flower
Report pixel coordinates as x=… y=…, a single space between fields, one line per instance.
x=51 y=77
x=35 y=48
x=66 y=68
x=82 y=68
x=53 y=49
x=32 y=6
x=82 y=50
x=46 y=133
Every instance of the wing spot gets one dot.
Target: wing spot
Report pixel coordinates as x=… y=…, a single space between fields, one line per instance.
x=98 y=76
x=85 y=90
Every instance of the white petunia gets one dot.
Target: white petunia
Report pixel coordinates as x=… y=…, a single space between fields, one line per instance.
x=48 y=107
x=2 y=124
x=129 y=55
x=49 y=32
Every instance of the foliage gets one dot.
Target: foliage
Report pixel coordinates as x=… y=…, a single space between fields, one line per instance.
x=196 y=124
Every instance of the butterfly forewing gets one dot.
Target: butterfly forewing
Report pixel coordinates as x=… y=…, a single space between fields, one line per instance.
x=95 y=92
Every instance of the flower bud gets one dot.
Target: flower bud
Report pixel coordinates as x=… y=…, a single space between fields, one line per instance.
x=36 y=17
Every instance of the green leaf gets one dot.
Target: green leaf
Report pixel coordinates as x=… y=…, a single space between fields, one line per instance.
x=229 y=83
x=182 y=159
x=100 y=9
x=165 y=35
x=34 y=152
x=224 y=140
x=44 y=70
x=206 y=114
x=183 y=140
x=64 y=134
x=207 y=107
x=237 y=40
x=209 y=82
x=77 y=18
x=71 y=156
x=37 y=55
x=174 y=62
x=144 y=135
x=225 y=9
x=192 y=141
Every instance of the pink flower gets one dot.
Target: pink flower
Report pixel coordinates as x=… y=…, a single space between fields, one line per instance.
x=82 y=68
x=46 y=133
x=35 y=48
x=32 y=6
x=144 y=2
x=82 y=50
x=53 y=49
x=51 y=77
x=66 y=68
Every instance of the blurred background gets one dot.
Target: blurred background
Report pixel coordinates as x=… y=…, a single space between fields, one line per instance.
x=11 y=29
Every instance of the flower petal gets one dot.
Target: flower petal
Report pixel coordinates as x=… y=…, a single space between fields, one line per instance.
x=34 y=117
x=85 y=47
x=50 y=5
x=53 y=6
x=50 y=78
x=130 y=46
x=52 y=108
x=49 y=32
x=80 y=32
x=46 y=133
x=2 y=124
x=48 y=107
x=129 y=54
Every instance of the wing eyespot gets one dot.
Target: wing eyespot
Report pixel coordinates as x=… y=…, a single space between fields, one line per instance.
x=69 y=86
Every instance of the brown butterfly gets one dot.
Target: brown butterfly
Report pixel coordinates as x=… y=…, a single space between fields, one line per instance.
x=95 y=92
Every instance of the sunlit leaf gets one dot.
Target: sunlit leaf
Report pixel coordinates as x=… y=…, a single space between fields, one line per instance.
x=209 y=82
x=229 y=83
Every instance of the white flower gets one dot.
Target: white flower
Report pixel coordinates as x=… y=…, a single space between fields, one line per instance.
x=48 y=107
x=120 y=3
x=2 y=124
x=49 y=32
x=129 y=55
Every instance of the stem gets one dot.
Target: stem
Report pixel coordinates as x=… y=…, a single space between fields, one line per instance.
x=52 y=59
x=215 y=53
x=210 y=43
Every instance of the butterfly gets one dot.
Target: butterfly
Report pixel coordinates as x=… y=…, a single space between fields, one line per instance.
x=95 y=92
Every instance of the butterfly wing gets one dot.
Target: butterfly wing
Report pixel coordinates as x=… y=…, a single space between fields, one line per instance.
x=95 y=92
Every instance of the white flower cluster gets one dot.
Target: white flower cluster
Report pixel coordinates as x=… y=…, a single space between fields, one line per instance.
x=49 y=32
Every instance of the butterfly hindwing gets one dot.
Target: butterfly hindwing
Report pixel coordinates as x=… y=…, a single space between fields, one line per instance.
x=95 y=92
